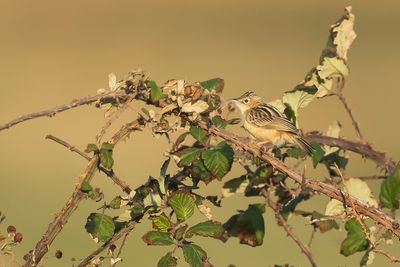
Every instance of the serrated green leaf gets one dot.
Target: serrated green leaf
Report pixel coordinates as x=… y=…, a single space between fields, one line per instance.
x=355 y=240
x=155 y=91
x=100 y=226
x=218 y=160
x=248 y=225
x=161 y=222
x=216 y=84
x=157 y=238
x=199 y=134
x=86 y=187
x=219 y=122
x=208 y=229
x=183 y=205
x=195 y=255
x=318 y=153
x=188 y=155
x=167 y=261
x=91 y=148
x=390 y=190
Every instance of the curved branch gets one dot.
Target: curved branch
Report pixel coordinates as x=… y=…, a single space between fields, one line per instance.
x=363 y=149
x=281 y=221
x=124 y=231
x=53 y=111
x=327 y=189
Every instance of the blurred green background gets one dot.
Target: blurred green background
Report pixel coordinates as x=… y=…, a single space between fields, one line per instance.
x=54 y=51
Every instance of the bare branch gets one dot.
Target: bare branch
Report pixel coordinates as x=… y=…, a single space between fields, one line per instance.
x=53 y=111
x=70 y=206
x=62 y=217
x=123 y=232
x=327 y=189
x=348 y=110
x=363 y=149
x=281 y=221
x=386 y=254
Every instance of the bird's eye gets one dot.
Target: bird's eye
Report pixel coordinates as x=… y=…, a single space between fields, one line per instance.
x=246 y=101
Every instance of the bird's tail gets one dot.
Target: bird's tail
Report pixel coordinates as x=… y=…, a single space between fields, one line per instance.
x=303 y=144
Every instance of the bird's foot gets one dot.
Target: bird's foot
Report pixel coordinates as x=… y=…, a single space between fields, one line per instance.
x=266 y=148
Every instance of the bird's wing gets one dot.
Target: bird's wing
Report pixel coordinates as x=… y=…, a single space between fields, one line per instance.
x=269 y=117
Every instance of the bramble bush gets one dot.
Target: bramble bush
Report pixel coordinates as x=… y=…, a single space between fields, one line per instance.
x=197 y=122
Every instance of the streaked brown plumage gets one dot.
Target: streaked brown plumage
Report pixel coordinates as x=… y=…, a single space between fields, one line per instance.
x=267 y=124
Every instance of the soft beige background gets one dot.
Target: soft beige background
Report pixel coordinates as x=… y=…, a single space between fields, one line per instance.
x=54 y=51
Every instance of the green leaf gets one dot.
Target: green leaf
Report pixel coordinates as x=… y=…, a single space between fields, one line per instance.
x=156 y=238
x=86 y=187
x=146 y=111
x=248 y=225
x=390 y=190
x=298 y=98
x=161 y=222
x=208 y=229
x=115 y=203
x=355 y=240
x=106 y=158
x=91 y=148
x=137 y=211
x=318 y=154
x=216 y=84
x=322 y=225
x=155 y=91
x=235 y=185
x=219 y=122
x=296 y=153
x=100 y=226
x=188 y=155
x=218 y=160
x=195 y=255
x=200 y=172
x=167 y=261
x=183 y=205
x=199 y=134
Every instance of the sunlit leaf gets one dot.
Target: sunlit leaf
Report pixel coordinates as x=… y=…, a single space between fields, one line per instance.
x=183 y=205
x=155 y=91
x=198 y=133
x=188 y=155
x=216 y=84
x=106 y=155
x=86 y=187
x=161 y=222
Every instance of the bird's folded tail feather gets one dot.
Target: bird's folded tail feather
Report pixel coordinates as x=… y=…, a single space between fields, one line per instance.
x=303 y=144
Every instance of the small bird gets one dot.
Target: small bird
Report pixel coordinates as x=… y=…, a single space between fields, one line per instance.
x=267 y=124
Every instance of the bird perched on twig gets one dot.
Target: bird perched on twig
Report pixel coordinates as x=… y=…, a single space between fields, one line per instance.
x=267 y=124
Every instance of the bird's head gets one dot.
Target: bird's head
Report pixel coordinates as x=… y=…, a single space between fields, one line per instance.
x=247 y=101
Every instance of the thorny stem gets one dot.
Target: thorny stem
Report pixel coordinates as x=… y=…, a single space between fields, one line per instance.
x=353 y=120
x=70 y=206
x=110 y=173
x=327 y=189
x=281 y=221
x=53 y=111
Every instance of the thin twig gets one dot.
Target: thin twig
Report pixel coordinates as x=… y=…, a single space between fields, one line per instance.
x=329 y=190
x=121 y=247
x=363 y=149
x=386 y=254
x=62 y=217
x=53 y=111
x=124 y=186
x=350 y=113
x=281 y=221
x=123 y=232
x=311 y=237
x=70 y=206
